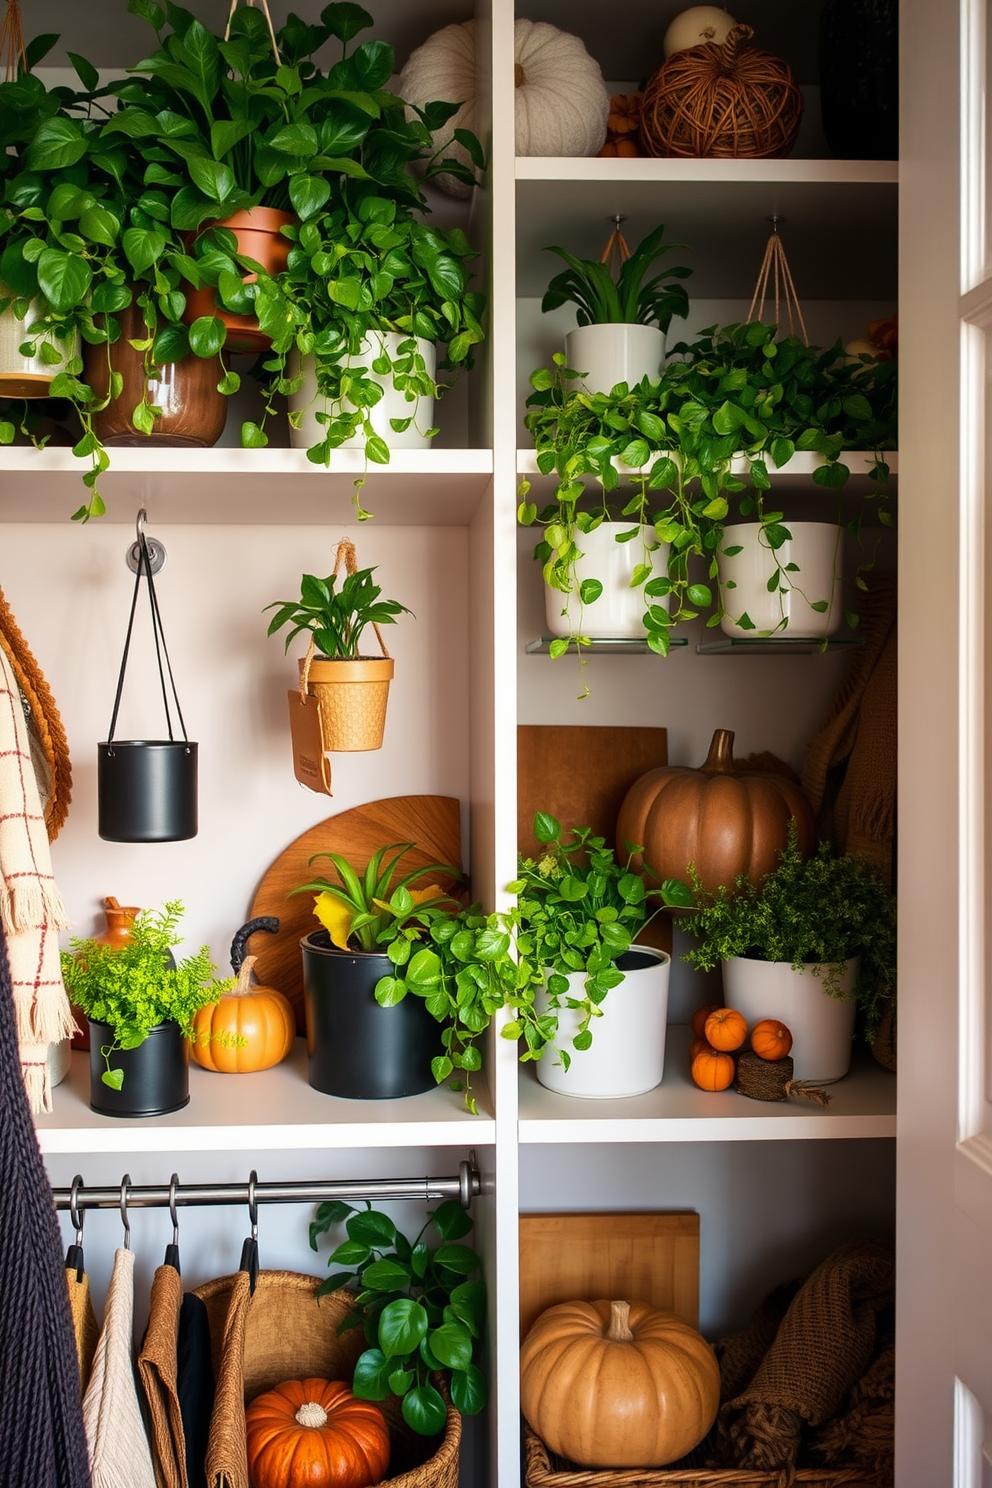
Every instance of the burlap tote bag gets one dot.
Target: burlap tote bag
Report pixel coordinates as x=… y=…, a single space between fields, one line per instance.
x=284 y=1332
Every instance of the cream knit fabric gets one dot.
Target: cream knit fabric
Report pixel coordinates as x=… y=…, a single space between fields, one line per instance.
x=120 y=1456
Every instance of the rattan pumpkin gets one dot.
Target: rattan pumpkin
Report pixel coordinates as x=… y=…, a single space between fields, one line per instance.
x=314 y=1433
x=261 y=1016
x=723 y=820
x=726 y=101
x=617 y=1384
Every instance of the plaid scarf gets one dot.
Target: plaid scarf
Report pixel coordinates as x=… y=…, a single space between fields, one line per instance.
x=31 y=909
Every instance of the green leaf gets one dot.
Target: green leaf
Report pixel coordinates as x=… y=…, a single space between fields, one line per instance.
x=64 y=279
x=207 y=335
x=372 y=1228
x=371 y=1377
x=451 y=1221
x=402 y=1325
x=385 y=1276
x=451 y=1344
x=590 y=590
x=100 y=226
x=252 y=436
x=113 y=1077
x=424 y=1411
x=469 y=1390
x=85 y=71
x=308 y=194
x=56 y=143
x=349 y=1253
x=546 y=828
x=143 y=246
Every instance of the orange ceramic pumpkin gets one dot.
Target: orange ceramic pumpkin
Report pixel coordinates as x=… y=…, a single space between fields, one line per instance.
x=723 y=821
x=726 y=1029
x=313 y=1433
x=770 y=1039
x=261 y=1016
x=612 y=1384
x=713 y=1070
x=700 y=1015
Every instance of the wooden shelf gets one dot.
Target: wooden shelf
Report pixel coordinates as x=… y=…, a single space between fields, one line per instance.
x=270 y=1111
x=434 y=488
x=862 y=1105
x=720 y=209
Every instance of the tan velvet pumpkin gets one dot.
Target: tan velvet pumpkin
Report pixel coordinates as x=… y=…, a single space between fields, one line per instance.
x=617 y=1384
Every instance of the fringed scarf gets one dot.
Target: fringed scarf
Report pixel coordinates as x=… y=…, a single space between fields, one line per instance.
x=31 y=909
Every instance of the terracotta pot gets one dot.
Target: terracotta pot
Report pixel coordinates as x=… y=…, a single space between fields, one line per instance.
x=193 y=411
x=120 y=918
x=258 y=235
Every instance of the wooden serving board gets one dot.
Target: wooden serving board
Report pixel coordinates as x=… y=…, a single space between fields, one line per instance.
x=637 y=1257
x=433 y=823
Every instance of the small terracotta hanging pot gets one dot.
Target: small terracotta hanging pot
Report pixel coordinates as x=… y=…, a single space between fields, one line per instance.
x=258 y=236
x=193 y=411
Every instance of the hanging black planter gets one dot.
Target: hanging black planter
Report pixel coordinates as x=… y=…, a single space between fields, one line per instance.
x=859 y=78
x=156 y=1073
x=356 y=1048
x=147 y=788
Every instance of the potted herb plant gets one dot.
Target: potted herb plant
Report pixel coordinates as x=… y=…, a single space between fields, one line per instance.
x=702 y=437
x=422 y=1307
x=351 y=689
x=810 y=945
x=623 y=318
x=579 y=912
x=361 y=1046
x=141 y=1007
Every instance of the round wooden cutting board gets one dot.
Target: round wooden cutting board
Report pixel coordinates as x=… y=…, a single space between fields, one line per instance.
x=433 y=823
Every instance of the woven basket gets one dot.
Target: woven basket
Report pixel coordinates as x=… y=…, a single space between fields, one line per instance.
x=545 y=1470
x=725 y=101
x=289 y=1334
x=351 y=698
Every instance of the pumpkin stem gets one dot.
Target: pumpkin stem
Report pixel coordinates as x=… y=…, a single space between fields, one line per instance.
x=720 y=760
x=732 y=47
x=619 y=1329
x=519 y=76
x=311 y=1414
x=243 y=984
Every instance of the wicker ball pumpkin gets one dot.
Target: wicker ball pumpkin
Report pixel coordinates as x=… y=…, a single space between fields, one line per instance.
x=313 y=1433
x=260 y=1015
x=725 y=821
x=617 y=1384
x=725 y=101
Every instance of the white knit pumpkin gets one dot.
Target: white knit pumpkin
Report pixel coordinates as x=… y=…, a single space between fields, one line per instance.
x=561 y=100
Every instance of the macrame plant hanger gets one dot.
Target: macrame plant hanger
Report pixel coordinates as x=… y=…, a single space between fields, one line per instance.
x=15 y=58
x=263 y=6
x=616 y=246
x=775 y=268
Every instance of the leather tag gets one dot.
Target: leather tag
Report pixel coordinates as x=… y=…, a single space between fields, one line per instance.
x=310 y=764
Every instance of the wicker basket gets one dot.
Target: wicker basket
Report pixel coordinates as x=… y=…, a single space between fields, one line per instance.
x=545 y=1470
x=351 y=697
x=289 y=1334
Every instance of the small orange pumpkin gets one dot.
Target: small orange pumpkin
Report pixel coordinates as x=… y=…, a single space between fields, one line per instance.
x=770 y=1039
x=713 y=1070
x=700 y=1015
x=313 y=1433
x=726 y=1029
x=261 y=1016
x=699 y=1046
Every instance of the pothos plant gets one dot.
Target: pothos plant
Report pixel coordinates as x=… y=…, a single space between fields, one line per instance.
x=134 y=987
x=422 y=1308
x=692 y=444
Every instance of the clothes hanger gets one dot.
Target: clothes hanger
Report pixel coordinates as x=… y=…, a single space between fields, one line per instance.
x=74 y=1255
x=249 y=1251
x=172 y=1250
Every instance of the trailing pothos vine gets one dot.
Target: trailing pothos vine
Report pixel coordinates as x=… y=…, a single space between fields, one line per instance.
x=699 y=439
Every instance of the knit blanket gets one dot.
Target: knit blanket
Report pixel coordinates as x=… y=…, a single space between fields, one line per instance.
x=31 y=909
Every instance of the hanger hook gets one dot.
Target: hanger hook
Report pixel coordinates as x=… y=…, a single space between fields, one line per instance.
x=252 y=1204
x=173 y=1185
x=125 y=1182
x=76 y=1215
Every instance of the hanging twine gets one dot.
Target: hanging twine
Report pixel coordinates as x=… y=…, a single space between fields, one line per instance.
x=12 y=42
x=264 y=7
x=775 y=267
x=616 y=245
x=344 y=554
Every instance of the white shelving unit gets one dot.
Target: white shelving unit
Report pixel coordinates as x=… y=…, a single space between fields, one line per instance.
x=241 y=525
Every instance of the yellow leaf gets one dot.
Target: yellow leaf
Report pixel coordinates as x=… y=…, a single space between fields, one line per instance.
x=432 y=891
x=335 y=917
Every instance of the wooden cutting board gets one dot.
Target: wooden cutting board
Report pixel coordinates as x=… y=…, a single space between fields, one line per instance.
x=433 y=823
x=639 y=1257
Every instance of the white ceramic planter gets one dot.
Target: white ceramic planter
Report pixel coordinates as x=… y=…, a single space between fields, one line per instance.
x=22 y=376
x=822 y=1026
x=393 y=403
x=608 y=354
x=817 y=549
x=619 y=610
x=627 y=1056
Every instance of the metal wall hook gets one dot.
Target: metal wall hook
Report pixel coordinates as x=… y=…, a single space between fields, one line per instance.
x=76 y=1215
x=156 y=552
x=173 y=1185
x=252 y=1204
x=125 y=1181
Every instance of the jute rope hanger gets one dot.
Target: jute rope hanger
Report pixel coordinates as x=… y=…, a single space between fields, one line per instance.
x=12 y=42
x=775 y=266
x=263 y=6
x=345 y=554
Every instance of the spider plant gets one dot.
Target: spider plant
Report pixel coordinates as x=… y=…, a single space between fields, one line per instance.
x=629 y=299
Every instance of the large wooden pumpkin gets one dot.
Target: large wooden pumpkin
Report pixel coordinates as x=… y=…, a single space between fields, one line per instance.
x=313 y=1433
x=617 y=1384
x=723 y=820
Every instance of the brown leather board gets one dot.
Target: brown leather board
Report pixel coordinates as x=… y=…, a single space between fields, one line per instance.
x=635 y=1257
x=433 y=823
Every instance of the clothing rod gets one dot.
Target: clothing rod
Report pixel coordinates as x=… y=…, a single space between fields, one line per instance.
x=463 y=1187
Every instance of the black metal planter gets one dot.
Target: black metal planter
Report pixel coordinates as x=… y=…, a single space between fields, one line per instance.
x=356 y=1048
x=147 y=790
x=156 y=1073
